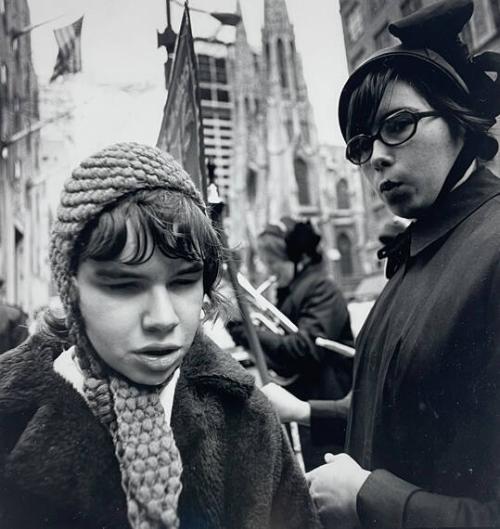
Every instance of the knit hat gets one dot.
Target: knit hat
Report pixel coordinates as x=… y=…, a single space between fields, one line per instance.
x=149 y=460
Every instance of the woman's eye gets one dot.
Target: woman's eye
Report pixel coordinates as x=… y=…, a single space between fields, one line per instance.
x=186 y=280
x=125 y=286
x=397 y=124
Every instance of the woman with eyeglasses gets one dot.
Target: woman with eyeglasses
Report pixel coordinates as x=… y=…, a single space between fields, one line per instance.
x=423 y=434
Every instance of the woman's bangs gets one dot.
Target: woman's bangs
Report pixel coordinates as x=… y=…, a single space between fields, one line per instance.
x=366 y=99
x=179 y=228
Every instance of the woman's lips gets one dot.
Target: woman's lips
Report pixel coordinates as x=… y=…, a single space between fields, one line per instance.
x=388 y=185
x=160 y=359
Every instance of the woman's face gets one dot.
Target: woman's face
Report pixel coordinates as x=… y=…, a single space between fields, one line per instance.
x=141 y=318
x=408 y=177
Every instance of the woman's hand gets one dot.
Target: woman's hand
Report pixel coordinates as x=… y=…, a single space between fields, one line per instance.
x=289 y=407
x=334 y=488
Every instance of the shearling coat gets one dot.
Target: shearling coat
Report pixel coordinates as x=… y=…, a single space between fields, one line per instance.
x=58 y=468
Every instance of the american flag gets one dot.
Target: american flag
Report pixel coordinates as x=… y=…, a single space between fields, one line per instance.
x=69 y=57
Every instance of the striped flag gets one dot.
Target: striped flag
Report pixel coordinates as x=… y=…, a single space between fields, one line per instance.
x=69 y=57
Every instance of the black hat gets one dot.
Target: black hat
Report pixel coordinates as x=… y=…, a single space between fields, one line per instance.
x=431 y=36
x=299 y=236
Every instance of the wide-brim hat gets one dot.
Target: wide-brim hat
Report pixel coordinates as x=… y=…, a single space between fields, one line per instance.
x=430 y=38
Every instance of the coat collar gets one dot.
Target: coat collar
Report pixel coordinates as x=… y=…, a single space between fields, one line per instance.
x=207 y=365
x=480 y=187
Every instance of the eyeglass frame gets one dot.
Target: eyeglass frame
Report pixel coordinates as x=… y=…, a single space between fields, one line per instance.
x=417 y=116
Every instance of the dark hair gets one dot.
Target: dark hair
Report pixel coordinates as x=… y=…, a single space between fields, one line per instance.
x=441 y=94
x=167 y=220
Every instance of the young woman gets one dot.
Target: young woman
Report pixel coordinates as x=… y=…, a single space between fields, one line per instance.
x=424 y=423
x=125 y=415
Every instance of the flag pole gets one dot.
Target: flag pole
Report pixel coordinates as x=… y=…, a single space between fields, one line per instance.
x=27 y=29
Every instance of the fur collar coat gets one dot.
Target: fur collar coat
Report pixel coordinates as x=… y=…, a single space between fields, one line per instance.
x=58 y=468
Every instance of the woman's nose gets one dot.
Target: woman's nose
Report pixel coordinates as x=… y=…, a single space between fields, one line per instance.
x=159 y=315
x=381 y=156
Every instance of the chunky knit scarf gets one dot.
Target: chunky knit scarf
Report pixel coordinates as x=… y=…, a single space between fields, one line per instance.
x=149 y=460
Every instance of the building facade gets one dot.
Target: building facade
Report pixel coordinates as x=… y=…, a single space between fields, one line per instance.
x=23 y=240
x=217 y=108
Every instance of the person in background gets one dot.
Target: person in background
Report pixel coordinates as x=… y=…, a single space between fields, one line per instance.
x=314 y=303
x=424 y=422
x=123 y=414
x=13 y=324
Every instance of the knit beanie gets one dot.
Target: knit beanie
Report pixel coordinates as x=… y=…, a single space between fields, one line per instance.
x=149 y=460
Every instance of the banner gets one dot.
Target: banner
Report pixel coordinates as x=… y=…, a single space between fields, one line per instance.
x=181 y=132
x=69 y=56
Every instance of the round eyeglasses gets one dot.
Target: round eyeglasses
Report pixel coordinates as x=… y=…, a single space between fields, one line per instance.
x=393 y=130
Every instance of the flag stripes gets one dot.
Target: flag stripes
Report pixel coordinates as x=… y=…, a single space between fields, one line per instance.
x=69 y=56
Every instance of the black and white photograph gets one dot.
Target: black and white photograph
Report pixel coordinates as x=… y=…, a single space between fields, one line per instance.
x=249 y=264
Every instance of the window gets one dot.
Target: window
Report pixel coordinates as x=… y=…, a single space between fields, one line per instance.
x=482 y=23
x=382 y=38
x=223 y=113
x=302 y=178
x=223 y=96
x=343 y=200
x=251 y=186
x=16 y=50
x=293 y=62
x=17 y=112
x=204 y=68
x=344 y=246
x=2 y=7
x=27 y=81
x=221 y=71
x=410 y=6
x=282 y=64
x=257 y=106
x=289 y=129
x=206 y=94
x=304 y=127
x=354 y=23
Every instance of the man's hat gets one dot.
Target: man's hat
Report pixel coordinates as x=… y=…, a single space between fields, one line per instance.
x=430 y=37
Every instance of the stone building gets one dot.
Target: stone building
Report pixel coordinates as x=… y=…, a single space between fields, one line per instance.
x=23 y=237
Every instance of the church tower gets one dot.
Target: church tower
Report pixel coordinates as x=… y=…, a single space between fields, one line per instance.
x=289 y=108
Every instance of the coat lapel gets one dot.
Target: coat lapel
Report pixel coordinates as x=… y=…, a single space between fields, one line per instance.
x=198 y=423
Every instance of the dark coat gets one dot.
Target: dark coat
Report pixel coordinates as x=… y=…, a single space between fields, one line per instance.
x=58 y=468
x=316 y=305
x=426 y=407
x=13 y=327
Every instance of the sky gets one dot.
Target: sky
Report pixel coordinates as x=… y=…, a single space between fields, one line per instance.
x=119 y=52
